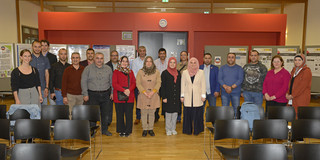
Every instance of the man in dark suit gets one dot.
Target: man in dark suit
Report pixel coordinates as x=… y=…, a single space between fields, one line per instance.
x=90 y=56
x=114 y=59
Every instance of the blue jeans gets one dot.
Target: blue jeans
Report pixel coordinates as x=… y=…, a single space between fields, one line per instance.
x=234 y=98
x=254 y=97
x=211 y=99
x=45 y=99
x=59 y=98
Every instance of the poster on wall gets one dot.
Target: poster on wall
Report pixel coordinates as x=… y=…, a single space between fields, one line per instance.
x=6 y=60
x=241 y=55
x=126 y=50
x=105 y=49
x=287 y=55
x=77 y=48
x=217 y=60
x=54 y=48
x=313 y=62
x=18 y=48
x=265 y=56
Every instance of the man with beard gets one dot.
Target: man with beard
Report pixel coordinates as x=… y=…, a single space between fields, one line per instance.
x=89 y=60
x=254 y=74
x=230 y=78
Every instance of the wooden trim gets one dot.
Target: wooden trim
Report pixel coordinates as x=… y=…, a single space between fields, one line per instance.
x=113 y=6
x=18 y=21
x=282 y=7
x=189 y=1
x=41 y=5
x=305 y=20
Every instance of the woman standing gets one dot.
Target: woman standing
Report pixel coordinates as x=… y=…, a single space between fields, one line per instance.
x=275 y=85
x=148 y=83
x=193 y=94
x=124 y=82
x=25 y=81
x=299 y=93
x=170 y=92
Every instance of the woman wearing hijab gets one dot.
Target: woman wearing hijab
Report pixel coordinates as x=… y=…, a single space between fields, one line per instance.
x=193 y=94
x=123 y=80
x=148 y=82
x=170 y=92
x=300 y=83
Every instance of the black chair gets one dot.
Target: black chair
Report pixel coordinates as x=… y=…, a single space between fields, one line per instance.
x=281 y=112
x=263 y=152
x=306 y=151
x=271 y=128
x=305 y=128
x=5 y=130
x=31 y=129
x=20 y=114
x=54 y=112
x=308 y=112
x=36 y=152
x=3 y=111
x=71 y=130
x=235 y=129
x=214 y=113
x=3 y=151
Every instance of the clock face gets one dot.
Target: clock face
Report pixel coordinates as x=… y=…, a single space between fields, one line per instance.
x=163 y=23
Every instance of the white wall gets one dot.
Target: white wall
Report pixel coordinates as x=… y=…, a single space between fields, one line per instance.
x=313 y=25
x=8 y=27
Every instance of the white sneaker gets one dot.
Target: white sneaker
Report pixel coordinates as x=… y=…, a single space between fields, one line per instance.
x=174 y=132
x=169 y=133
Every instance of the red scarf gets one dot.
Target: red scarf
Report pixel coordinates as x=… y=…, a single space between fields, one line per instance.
x=173 y=71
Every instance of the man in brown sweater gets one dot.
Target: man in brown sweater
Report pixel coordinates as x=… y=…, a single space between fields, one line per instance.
x=71 y=83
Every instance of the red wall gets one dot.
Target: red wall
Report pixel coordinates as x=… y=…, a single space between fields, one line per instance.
x=203 y=29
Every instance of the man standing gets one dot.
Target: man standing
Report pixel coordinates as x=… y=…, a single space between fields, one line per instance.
x=90 y=56
x=137 y=64
x=42 y=64
x=96 y=83
x=211 y=74
x=56 y=74
x=71 y=83
x=183 y=65
x=230 y=78
x=162 y=62
x=254 y=74
x=114 y=59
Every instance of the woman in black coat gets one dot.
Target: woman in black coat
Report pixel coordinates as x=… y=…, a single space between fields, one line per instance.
x=170 y=92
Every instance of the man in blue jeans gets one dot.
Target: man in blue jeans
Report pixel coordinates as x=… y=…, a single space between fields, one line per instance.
x=230 y=78
x=254 y=74
x=211 y=75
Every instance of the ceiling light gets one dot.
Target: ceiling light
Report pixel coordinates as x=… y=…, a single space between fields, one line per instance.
x=239 y=8
x=82 y=7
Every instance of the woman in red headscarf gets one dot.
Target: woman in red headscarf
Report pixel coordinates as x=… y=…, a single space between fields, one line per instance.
x=193 y=94
x=299 y=93
x=170 y=93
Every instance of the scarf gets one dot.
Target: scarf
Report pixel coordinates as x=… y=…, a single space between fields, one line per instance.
x=193 y=71
x=152 y=69
x=298 y=69
x=125 y=70
x=173 y=71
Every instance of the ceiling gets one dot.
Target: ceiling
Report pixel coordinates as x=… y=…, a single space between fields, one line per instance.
x=173 y=6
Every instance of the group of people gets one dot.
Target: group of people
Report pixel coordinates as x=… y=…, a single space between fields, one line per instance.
x=154 y=83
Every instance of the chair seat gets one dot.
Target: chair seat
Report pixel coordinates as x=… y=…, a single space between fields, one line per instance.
x=73 y=153
x=229 y=153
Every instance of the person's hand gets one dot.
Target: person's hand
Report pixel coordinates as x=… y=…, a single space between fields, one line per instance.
x=216 y=94
x=52 y=95
x=126 y=92
x=182 y=100
x=111 y=96
x=267 y=97
x=241 y=94
x=40 y=99
x=289 y=97
x=65 y=100
x=233 y=86
x=45 y=92
x=228 y=89
x=151 y=94
x=273 y=98
x=165 y=100
x=203 y=99
x=85 y=98
x=18 y=101
x=146 y=94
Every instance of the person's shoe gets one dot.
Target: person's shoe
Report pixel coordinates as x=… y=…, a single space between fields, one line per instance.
x=122 y=134
x=107 y=133
x=127 y=134
x=151 y=133
x=137 y=121
x=174 y=132
x=144 y=133
x=169 y=133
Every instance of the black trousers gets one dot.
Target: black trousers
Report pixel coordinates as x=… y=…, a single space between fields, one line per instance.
x=273 y=103
x=124 y=111
x=192 y=120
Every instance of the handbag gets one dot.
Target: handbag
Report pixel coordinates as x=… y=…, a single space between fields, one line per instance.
x=121 y=95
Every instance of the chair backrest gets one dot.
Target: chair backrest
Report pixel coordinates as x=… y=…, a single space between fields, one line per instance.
x=54 y=112
x=86 y=112
x=236 y=128
x=305 y=128
x=3 y=111
x=308 y=112
x=306 y=151
x=36 y=152
x=3 y=148
x=5 y=129
x=219 y=113
x=271 y=128
x=281 y=112
x=20 y=114
x=32 y=128
x=72 y=129
x=263 y=152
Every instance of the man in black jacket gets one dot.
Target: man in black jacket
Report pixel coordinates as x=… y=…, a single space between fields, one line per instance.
x=114 y=59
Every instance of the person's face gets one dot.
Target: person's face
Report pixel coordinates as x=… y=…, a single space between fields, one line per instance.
x=44 y=47
x=26 y=57
x=193 y=64
x=63 y=55
x=207 y=60
x=99 y=60
x=114 y=57
x=231 y=59
x=277 y=63
x=148 y=63
x=36 y=48
x=298 y=61
x=90 y=55
x=142 y=52
x=124 y=63
x=254 y=57
x=183 y=56
x=75 y=58
x=162 y=55
x=172 y=64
